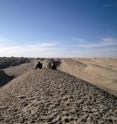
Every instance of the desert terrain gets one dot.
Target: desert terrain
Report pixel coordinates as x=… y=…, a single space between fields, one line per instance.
x=79 y=91
x=99 y=72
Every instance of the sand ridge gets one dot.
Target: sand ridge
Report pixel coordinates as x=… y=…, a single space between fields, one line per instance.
x=54 y=97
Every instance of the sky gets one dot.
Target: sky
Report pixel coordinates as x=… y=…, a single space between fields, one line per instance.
x=58 y=28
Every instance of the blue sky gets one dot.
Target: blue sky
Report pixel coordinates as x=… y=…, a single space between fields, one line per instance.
x=58 y=28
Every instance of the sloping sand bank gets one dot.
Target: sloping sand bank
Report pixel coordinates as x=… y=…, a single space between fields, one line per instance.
x=54 y=97
x=92 y=71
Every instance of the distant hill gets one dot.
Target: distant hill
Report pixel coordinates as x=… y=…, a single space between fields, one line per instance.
x=6 y=62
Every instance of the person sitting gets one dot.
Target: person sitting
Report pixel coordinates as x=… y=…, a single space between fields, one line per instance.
x=54 y=67
x=39 y=65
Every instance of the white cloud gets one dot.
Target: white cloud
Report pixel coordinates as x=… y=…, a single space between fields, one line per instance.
x=108 y=39
x=80 y=48
x=106 y=47
x=35 y=50
x=96 y=45
x=105 y=42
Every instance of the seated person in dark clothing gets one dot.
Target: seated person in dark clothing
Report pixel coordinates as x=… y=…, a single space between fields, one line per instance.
x=54 y=67
x=39 y=65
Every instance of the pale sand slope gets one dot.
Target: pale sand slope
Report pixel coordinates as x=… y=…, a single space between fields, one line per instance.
x=19 y=70
x=54 y=97
x=99 y=72
x=109 y=63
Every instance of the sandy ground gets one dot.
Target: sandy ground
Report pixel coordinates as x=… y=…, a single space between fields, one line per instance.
x=54 y=97
x=99 y=72
x=18 y=70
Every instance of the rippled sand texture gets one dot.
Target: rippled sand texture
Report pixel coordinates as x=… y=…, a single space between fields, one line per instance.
x=54 y=97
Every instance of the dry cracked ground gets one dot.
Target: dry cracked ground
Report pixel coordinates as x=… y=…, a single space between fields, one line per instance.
x=53 y=97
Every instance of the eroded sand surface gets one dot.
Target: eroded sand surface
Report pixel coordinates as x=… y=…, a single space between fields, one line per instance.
x=54 y=97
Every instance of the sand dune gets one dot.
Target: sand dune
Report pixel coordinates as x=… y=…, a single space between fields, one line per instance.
x=108 y=63
x=95 y=71
x=99 y=72
x=53 y=97
x=19 y=70
x=4 y=78
x=6 y=62
x=23 y=68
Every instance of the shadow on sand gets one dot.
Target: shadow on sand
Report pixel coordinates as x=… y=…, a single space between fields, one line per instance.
x=4 y=78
